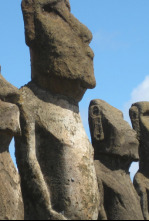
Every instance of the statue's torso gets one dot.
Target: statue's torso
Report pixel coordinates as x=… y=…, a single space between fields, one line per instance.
x=121 y=201
x=11 y=205
x=64 y=153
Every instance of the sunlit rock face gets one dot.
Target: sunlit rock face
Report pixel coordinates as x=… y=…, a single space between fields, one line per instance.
x=8 y=92
x=11 y=205
x=139 y=114
x=61 y=58
x=116 y=147
x=54 y=155
x=110 y=133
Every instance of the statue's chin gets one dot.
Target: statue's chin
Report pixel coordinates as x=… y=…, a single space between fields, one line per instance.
x=70 y=88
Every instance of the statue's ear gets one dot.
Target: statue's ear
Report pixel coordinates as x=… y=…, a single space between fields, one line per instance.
x=95 y=121
x=134 y=116
x=28 y=14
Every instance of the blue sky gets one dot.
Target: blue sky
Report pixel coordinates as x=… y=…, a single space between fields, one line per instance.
x=121 y=46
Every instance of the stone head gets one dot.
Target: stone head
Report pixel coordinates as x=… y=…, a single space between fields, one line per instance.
x=61 y=58
x=139 y=114
x=110 y=133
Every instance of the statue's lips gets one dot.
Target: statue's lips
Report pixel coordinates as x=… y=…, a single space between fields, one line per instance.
x=90 y=53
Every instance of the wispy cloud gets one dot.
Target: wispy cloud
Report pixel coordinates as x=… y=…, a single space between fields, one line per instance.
x=109 y=40
x=140 y=93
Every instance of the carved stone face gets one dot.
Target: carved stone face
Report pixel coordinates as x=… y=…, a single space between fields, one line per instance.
x=139 y=114
x=110 y=133
x=59 y=44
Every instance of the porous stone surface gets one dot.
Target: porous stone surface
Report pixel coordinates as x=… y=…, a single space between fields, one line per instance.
x=61 y=59
x=116 y=147
x=139 y=114
x=55 y=158
x=8 y=92
x=109 y=129
x=11 y=204
x=54 y=155
x=9 y=118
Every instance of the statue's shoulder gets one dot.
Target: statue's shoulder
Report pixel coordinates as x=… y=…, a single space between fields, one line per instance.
x=140 y=180
x=8 y=92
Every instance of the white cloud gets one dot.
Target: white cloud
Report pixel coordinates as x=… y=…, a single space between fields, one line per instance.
x=133 y=170
x=140 y=93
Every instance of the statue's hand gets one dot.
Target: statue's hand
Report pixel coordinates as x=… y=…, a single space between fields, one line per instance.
x=56 y=216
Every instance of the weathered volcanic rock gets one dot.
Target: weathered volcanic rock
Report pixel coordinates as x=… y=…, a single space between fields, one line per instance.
x=55 y=158
x=110 y=133
x=8 y=92
x=139 y=114
x=9 y=118
x=61 y=58
x=116 y=147
x=11 y=205
x=54 y=155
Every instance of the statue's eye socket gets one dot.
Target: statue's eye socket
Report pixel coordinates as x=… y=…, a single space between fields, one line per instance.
x=96 y=111
x=146 y=113
x=47 y=8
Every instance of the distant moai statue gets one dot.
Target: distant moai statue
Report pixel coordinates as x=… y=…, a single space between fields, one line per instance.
x=116 y=147
x=54 y=155
x=11 y=204
x=139 y=114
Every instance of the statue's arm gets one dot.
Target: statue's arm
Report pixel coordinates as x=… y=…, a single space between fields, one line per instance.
x=142 y=192
x=102 y=213
x=31 y=176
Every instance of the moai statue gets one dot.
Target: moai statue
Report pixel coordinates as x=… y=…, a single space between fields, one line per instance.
x=11 y=205
x=139 y=114
x=116 y=147
x=54 y=155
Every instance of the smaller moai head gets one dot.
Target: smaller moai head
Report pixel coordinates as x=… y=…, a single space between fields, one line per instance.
x=110 y=133
x=61 y=58
x=9 y=112
x=139 y=114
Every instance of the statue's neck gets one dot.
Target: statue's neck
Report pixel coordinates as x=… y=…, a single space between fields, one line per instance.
x=48 y=97
x=144 y=165
x=144 y=158
x=114 y=162
x=56 y=83
x=144 y=168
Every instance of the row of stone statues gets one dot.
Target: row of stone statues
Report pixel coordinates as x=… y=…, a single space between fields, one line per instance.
x=61 y=176
x=116 y=146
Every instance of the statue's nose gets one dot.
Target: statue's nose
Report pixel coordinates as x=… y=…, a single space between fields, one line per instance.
x=86 y=34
